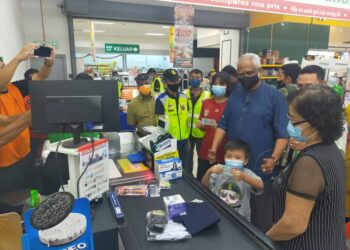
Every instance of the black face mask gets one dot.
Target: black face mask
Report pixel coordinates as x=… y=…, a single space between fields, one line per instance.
x=174 y=87
x=249 y=82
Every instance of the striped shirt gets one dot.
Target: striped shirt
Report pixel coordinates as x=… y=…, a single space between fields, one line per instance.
x=326 y=228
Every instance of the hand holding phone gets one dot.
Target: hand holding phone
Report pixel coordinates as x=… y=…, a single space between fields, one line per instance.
x=43 y=51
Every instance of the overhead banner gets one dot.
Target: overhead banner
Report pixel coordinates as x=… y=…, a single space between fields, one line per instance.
x=171 y=43
x=184 y=30
x=330 y=9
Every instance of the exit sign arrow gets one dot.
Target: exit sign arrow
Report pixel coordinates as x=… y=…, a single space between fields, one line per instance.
x=122 y=48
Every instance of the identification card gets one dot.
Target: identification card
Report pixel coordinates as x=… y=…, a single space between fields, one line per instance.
x=208 y=122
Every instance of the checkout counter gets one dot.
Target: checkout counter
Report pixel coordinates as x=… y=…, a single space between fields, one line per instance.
x=232 y=232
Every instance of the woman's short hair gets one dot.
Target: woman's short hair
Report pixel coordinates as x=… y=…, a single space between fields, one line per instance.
x=320 y=106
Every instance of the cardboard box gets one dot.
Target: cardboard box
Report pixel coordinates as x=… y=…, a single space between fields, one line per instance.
x=168 y=169
x=175 y=205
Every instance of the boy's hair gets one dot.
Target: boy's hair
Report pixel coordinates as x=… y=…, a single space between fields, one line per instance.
x=238 y=145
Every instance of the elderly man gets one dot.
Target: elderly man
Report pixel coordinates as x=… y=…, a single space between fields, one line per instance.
x=257 y=114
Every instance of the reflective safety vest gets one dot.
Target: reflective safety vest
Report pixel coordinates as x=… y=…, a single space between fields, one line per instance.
x=176 y=112
x=120 y=86
x=157 y=86
x=194 y=112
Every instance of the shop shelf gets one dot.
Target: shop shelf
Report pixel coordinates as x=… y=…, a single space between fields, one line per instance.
x=271 y=65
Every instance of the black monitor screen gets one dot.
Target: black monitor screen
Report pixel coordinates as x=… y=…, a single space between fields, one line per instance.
x=58 y=104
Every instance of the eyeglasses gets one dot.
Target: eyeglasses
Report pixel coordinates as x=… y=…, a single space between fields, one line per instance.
x=298 y=123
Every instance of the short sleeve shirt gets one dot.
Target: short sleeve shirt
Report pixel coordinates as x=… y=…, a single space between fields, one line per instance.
x=213 y=111
x=234 y=193
x=12 y=103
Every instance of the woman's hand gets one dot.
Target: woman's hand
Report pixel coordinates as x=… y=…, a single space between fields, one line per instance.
x=200 y=125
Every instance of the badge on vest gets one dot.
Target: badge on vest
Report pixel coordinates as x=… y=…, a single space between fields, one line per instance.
x=170 y=107
x=182 y=107
x=206 y=112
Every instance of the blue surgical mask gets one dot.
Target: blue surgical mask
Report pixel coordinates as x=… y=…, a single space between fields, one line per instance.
x=195 y=83
x=231 y=164
x=295 y=133
x=218 y=90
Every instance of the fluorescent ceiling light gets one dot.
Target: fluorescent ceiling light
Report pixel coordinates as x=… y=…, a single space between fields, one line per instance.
x=154 y=34
x=96 y=31
x=165 y=27
x=104 y=23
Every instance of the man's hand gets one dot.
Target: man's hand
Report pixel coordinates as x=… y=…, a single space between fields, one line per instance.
x=268 y=165
x=297 y=145
x=49 y=61
x=216 y=169
x=27 y=52
x=237 y=174
x=212 y=155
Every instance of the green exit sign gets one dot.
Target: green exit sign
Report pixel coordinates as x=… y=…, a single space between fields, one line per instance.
x=122 y=48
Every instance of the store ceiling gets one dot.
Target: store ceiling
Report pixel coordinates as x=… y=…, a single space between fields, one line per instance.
x=137 y=31
x=120 y=29
x=170 y=4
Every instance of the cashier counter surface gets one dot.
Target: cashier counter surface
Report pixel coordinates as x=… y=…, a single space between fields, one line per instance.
x=232 y=232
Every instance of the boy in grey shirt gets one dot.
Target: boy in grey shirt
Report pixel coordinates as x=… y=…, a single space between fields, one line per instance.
x=232 y=182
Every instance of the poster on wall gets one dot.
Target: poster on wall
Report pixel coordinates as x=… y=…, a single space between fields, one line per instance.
x=336 y=9
x=184 y=30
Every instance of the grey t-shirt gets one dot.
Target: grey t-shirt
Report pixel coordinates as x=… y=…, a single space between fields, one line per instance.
x=234 y=193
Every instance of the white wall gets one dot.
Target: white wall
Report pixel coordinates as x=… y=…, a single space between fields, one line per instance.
x=56 y=25
x=229 y=48
x=11 y=33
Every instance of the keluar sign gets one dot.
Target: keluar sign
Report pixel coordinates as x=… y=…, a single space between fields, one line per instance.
x=122 y=48
x=331 y=9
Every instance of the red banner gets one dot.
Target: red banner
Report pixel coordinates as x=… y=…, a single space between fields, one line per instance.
x=311 y=8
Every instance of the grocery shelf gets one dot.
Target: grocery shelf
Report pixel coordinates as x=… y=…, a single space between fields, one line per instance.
x=271 y=65
x=268 y=77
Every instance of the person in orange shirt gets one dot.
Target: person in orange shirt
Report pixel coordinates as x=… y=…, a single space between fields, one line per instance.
x=15 y=158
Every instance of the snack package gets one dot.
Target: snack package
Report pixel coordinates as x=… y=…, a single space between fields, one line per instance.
x=153 y=190
x=132 y=190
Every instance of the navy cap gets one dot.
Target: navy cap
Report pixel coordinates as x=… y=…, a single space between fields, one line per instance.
x=171 y=75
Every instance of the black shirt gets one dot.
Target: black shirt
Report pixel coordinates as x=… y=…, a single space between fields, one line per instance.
x=317 y=174
x=23 y=87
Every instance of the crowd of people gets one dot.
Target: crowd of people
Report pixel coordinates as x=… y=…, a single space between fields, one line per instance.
x=269 y=152
x=273 y=154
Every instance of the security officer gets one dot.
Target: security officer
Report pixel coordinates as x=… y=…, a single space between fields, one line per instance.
x=196 y=95
x=115 y=76
x=157 y=83
x=172 y=105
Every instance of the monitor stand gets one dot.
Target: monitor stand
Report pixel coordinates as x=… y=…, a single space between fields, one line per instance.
x=77 y=141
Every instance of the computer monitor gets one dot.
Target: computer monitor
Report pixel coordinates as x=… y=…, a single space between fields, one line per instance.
x=74 y=106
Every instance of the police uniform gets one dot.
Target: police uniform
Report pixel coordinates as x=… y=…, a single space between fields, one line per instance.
x=175 y=110
x=196 y=134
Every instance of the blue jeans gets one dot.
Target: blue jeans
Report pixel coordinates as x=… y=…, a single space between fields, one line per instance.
x=184 y=148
